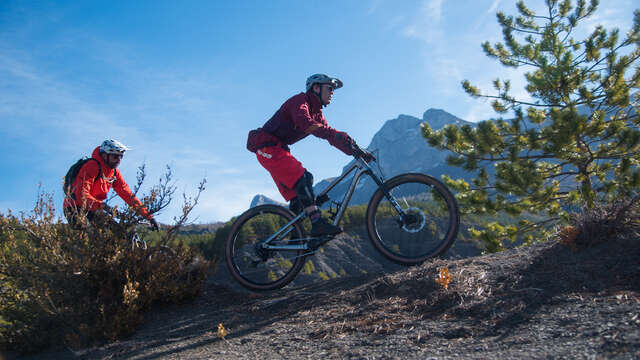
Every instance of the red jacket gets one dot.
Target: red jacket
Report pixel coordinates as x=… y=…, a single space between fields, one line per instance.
x=90 y=194
x=300 y=116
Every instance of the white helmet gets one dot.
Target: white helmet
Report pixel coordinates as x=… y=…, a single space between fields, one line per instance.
x=323 y=79
x=113 y=147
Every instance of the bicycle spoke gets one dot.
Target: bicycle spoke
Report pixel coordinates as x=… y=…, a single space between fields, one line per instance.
x=259 y=267
x=404 y=200
x=427 y=227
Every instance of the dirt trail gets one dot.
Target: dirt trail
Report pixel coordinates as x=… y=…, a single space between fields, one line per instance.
x=542 y=301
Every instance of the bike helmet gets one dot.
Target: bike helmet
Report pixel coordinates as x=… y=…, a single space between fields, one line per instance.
x=113 y=147
x=323 y=79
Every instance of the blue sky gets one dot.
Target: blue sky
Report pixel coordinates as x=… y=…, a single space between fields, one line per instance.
x=183 y=82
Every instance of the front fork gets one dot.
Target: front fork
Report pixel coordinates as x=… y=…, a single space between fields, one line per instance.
x=403 y=216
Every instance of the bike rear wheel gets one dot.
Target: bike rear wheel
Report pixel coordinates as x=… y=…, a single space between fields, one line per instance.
x=429 y=228
x=261 y=269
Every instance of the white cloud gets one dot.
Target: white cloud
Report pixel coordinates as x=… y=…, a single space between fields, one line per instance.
x=478 y=110
x=493 y=6
x=426 y=24
x=373 y=6
x=193 y=157
x=229 y=171
x=39 y=107
x=14 y=68
x=433 y=9
x=222 y=200
x=610 y=17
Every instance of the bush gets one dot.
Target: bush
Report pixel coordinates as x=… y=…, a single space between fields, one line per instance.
x=78 y=287
x=603 y=222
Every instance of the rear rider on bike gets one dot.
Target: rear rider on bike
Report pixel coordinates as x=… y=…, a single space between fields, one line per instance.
x=92 y=183
x=298 y=117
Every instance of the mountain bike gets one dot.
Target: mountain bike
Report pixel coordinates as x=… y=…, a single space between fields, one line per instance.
x=410 y=218
x=150 y=254
x=153 y=253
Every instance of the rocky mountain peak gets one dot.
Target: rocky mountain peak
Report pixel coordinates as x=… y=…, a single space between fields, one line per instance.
x=263 y=200
x=438 y=118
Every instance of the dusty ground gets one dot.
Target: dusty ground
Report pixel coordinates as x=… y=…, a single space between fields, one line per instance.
x=543 y=301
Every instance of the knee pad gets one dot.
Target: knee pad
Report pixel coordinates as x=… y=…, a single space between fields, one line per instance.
x=304 y=189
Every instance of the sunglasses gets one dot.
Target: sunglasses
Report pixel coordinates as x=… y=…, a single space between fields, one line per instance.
x=119 y=156
x=330 y=88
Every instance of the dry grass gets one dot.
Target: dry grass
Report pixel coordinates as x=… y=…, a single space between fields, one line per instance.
x=494 y=290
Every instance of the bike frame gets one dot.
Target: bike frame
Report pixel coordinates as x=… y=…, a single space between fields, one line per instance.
x=138 y=242
x=361 y=167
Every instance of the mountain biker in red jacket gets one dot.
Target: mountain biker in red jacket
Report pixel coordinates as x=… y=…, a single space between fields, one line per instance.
x=94 y=180
x=300 y=116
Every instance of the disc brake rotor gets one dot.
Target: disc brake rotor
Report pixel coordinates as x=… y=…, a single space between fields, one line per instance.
x=415 y=220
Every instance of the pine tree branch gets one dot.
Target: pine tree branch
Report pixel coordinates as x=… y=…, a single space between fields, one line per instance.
x=565 y=173
x=527 y=228
x=523 y=62
x=519 y=102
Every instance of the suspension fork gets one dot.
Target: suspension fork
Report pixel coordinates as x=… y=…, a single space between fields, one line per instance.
x=386 y=193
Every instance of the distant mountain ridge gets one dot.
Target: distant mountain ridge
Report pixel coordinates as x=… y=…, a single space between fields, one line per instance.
x=400 y=148
x=263 y=200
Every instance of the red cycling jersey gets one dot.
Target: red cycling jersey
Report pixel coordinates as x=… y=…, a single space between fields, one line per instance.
x=90 y=194
x=300 y=116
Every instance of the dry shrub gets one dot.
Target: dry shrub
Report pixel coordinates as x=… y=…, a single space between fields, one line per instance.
x=603 y=222
x=60 y=286
x=567 y=236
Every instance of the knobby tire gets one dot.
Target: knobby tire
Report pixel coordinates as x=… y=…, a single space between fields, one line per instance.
x=249 y=266
x=434 y=225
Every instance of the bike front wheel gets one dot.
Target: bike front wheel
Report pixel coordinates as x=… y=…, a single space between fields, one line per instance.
x=429 y=225
x=257 y=268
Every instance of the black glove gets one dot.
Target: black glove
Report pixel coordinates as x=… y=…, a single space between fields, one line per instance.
x=154 y=224
x=345 y=139
x=362 y=153
x=343 y=142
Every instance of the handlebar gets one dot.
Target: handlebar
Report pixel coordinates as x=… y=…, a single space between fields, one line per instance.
x=359 y=153
x=147 y=223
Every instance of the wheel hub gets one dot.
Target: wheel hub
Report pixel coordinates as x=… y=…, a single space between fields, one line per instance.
x=414 y=220
x=261 y=252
